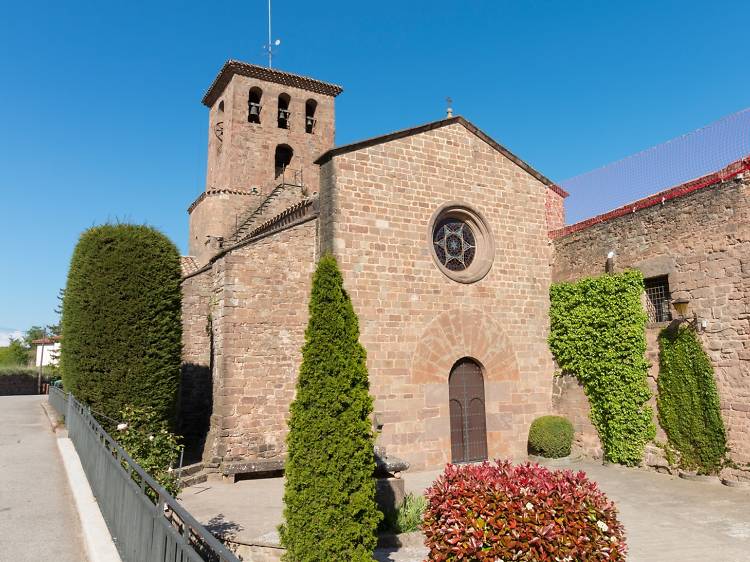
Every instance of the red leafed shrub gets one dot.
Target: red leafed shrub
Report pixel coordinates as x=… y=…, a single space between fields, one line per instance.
x=527 y=512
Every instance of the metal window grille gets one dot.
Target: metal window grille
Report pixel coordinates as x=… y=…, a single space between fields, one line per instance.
x=658 y=299
x=147 y=523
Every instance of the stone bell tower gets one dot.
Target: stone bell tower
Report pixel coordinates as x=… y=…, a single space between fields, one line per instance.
x=265 y=129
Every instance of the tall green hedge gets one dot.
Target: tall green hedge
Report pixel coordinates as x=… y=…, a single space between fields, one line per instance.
x=121 y=323
x=688 y=401
x=329 y=496
x=598 y=334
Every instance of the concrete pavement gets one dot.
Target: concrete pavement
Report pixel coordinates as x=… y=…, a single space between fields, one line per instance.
x=666 y=519
x=38 y=519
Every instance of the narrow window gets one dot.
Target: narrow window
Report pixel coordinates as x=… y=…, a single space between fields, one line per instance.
x=284 y=114
x=310 y=107
x=221 y=106
x=253 y=105
x=282 y=159
x=658 y=299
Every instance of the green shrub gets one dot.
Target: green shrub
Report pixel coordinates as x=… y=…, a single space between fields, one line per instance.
x=407 y=517
x=147 y=439
x=121 y=320
x=598 y=334
x=14 y=354
x=688 y=401
x=9 y=370
x=329 y=495
x=551 y=437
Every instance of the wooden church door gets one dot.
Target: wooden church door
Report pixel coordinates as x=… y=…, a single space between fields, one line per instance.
x=468 y=423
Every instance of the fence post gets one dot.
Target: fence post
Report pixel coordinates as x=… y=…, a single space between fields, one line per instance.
x=69 y=412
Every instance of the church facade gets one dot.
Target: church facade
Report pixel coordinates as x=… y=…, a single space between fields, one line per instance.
x=442 y=238
x=448 y=244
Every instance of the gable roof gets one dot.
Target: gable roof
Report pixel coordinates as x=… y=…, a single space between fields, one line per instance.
x=436 y=125
x=232 y=67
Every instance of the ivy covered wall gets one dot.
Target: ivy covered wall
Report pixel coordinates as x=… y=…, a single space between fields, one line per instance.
x=598 y=334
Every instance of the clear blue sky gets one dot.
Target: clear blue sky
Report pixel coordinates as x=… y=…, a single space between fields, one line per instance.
x=101 y=115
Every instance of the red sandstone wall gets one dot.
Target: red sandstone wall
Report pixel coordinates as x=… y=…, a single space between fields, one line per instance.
x=259 y=316
x=555 y=208
x=702 y=242
x=415 y=322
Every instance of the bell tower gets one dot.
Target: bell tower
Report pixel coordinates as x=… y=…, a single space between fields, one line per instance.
x=265 y=129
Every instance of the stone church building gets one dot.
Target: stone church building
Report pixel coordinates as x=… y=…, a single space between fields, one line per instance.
x=445 y=241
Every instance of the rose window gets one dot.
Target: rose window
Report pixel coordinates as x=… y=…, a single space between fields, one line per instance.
x=454 y=243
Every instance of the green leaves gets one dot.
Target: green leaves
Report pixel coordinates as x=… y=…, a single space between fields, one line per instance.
x=146 y=438
x=598 y=334
x=688 y=401
x=121 y=320
x=329 y=495
x=551 y=437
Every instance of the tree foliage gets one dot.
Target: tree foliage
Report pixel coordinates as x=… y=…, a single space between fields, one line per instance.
x=329 y=496
x=121 y=320
x=147 y=439
x=598 y=334
x=15 y=353
x=688 y=401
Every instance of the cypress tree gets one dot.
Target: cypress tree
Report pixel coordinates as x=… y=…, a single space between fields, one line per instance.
x=329 y=497
x=121 y=320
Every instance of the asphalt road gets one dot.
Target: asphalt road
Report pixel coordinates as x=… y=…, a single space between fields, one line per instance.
x=38 y=520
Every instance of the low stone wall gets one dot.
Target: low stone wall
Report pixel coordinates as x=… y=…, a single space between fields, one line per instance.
x=13 y=385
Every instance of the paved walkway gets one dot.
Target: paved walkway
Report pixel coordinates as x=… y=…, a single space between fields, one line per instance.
x=38 y=520
x=666 y=518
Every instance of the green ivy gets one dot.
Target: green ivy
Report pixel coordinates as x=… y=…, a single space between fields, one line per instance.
x=598 y=334
x=688 y=401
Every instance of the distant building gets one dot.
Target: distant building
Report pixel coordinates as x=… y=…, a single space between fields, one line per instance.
x=47 y=351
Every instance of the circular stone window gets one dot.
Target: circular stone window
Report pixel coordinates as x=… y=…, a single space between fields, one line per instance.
x=461 y=243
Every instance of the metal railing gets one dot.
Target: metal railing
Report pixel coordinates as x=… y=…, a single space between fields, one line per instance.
x=146 y=523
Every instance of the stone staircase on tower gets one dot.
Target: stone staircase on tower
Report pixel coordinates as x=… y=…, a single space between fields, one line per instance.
x=280 y=198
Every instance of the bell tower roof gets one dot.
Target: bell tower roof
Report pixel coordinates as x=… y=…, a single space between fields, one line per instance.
x=232 y=67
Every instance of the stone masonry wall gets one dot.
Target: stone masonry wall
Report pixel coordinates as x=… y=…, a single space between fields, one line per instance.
x=415 y=322
x=259 y=315
x=196 y=385
x=702 y=242
x=555 y=207
x=12 y=385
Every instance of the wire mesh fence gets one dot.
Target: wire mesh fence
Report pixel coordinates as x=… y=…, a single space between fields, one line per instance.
x=146 y=523
x=677 y=161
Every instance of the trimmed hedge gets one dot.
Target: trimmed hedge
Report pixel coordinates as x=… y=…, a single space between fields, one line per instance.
x=688 y=401
x=329 y=494
x=598 y=334
x=121 y=320
x=527 y=513
x=551 y=437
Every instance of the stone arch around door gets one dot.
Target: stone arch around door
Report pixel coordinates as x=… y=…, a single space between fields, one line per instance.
x=449 y=337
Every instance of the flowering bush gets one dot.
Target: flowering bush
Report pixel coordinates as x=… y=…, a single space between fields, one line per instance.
x=527 y=512
x=145 y=436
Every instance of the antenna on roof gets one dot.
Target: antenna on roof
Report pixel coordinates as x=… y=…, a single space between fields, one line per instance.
x=449 y=109
x=271 y=44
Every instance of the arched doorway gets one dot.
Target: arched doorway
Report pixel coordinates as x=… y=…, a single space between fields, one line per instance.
x=468 y=422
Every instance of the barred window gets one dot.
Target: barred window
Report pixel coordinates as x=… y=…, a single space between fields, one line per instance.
x=658 y=299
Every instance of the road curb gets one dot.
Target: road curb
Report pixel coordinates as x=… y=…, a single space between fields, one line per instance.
x=96 y=537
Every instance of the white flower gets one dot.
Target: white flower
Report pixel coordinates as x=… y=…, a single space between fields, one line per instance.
x=602 y=525
x=150 y=437
x=122 y=426
x=529 y=506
